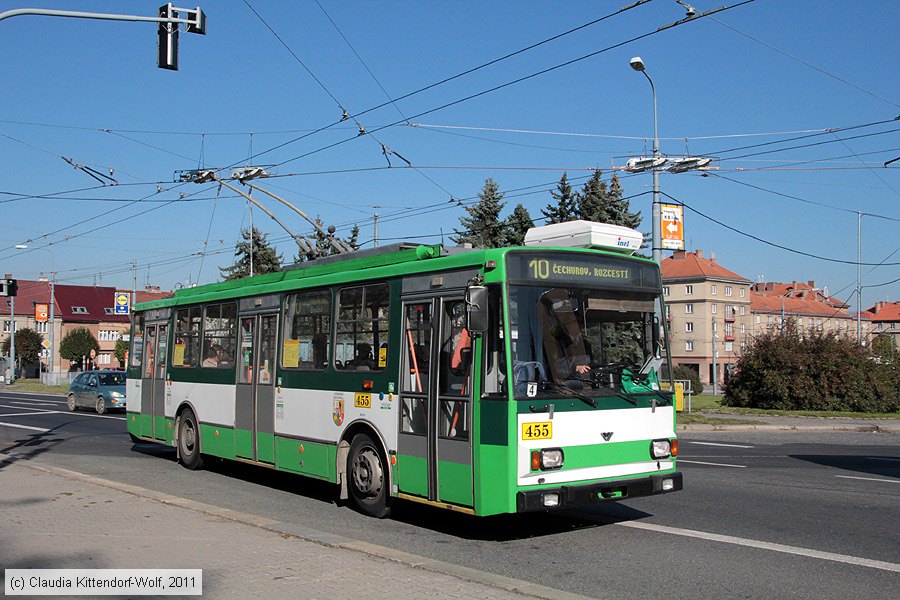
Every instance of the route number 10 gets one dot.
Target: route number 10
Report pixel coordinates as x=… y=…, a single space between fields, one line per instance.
x=540 y=268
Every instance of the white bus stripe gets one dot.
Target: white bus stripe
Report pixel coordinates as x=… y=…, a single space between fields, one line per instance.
x=41 y=429
x=698 y=462
x=728 y=539
x=716 y=444
x=869 y=479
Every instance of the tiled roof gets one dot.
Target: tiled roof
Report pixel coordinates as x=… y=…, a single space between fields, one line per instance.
x=883 y=312
x=29 y=293
x=807 y=305
x=87 y=304
x=694 y=265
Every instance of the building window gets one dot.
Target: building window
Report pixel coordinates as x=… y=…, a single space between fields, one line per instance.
x=107 y=335
x=689 y=345
x=688 y=290
x=715 y=308
x=667 y=311
x=688 y=309
x=770 y=319
x=758 y=319
x=742 y=310
x=713 y=289
x=728 y=290
x=729 y=346
x=742 y=292
x=743 y=328
x=109 y=310
x=689 y=327
x=743 y=346
x=666 y=291
x=729 y=328
x=40 y=326
x=79 y=310
x=6 y=326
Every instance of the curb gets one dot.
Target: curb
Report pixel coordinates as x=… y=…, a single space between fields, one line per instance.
x=322 y=538
x=769 y=427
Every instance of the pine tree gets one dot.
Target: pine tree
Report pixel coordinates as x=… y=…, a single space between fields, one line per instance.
x=517 y=224
x=483 y=227
x=564 y=209
x=265 y=257
x=600 y=204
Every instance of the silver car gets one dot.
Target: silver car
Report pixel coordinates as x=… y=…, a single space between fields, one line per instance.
x=100 y=390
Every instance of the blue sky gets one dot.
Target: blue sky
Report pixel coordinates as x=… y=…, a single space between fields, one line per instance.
x=761 y=73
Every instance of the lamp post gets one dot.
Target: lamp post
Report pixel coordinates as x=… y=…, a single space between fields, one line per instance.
x=51 y=375
x=638 y=65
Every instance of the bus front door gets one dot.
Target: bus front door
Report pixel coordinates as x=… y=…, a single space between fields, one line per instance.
x=153 y=381
x=255 y=396
x=435 y=444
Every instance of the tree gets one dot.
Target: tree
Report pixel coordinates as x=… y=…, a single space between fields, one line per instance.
x=517 y=224
x=600 y=204
x=882 y=347
x=78 y=343
x=813 y=371
x=483 y=228
x=564 y=209
x=122 y=347
x=28 y=346
x=265 y=257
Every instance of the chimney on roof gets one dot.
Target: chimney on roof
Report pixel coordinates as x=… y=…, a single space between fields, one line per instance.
x=8 y=276
x=878 y=306
x=811 y=283
x=679 y=254
x=712 y=256
x=699 y=253
x=151 y=288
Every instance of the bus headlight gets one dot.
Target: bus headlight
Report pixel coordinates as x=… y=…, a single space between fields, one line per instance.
x=660 y=448
x=551 y=458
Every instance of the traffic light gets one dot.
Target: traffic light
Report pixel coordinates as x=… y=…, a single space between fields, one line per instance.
x=168 y=39
x=8 y=287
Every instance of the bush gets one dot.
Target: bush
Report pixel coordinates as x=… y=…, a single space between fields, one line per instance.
x=682 y=372
x=784 y=371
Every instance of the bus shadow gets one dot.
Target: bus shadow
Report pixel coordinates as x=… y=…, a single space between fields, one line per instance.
x=881 y=466
x=511 y=527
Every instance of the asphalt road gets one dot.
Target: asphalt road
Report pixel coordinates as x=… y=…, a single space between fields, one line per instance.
x=764 y=514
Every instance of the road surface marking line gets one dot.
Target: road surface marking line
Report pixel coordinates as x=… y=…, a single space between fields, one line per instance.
x=716 y=444
x=33 y=402
x=882 y=458
x=868 y=479
x=728 y=539
x=698 y=462
x=28 y=414
x=41 y=429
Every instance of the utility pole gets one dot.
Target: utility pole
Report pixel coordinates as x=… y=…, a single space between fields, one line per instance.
x=858 y=279
x=715 y=377
x=12 y=339
x=375 y=219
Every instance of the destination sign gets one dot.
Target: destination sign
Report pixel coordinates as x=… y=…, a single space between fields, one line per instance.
x=580 y=269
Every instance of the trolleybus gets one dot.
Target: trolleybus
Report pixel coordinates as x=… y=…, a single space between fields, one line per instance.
x=483 y=381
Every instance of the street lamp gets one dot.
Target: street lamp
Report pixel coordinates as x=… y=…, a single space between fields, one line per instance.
x=638 y=65
x=51 y=376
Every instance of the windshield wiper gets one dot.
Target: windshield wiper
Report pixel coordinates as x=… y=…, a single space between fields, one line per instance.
x=569 y=391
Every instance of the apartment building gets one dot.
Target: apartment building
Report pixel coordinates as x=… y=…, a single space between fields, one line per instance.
x=884 y=319
x=75 y=306
x=809 y=308
x=708 y=313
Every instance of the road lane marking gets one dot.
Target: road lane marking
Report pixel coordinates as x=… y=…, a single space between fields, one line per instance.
x=697 y=462
x=728 y=539
x=33 y=402
x=28 y=414
x=716 y=444
x=869 y=479
x=13 y=425
x=67 y=412
x=882 y=458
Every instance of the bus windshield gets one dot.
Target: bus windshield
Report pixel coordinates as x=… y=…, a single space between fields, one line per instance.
x=587 y=341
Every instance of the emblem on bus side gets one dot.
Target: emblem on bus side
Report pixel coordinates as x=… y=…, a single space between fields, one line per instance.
x=337 y=414
x=607 y=435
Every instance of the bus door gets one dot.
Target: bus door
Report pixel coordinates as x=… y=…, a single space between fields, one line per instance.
x=255 y=395
x=153 y=380
x=435 y=444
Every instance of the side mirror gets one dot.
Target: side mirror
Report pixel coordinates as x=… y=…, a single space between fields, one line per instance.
x=477 y=309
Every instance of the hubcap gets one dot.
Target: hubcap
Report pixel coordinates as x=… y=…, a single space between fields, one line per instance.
x=368 y=477
x=188 y=435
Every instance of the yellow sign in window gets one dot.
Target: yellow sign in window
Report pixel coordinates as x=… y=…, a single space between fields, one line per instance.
x=537 y=431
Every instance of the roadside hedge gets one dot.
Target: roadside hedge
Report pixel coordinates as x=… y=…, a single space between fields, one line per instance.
x=814 y=371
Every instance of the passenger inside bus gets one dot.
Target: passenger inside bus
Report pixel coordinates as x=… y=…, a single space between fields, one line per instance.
x=362 y=361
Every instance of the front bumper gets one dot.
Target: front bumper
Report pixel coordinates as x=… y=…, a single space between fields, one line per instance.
x=571 y=496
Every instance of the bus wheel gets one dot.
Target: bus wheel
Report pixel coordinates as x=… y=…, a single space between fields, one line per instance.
x=189 y=441
x=368 y=477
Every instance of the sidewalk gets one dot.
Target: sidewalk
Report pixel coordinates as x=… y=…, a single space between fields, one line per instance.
x=780 y=423
x=53 y=519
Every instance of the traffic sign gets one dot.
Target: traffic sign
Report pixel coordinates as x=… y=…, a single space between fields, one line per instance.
x=672 y=227
x=123 y=303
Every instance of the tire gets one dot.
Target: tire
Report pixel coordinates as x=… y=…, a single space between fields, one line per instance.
x=189 y=441
x=100 y=406
x=70 y=402
x=368 y=477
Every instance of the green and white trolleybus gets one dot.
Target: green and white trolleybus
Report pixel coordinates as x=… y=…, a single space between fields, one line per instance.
x=484 y=381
